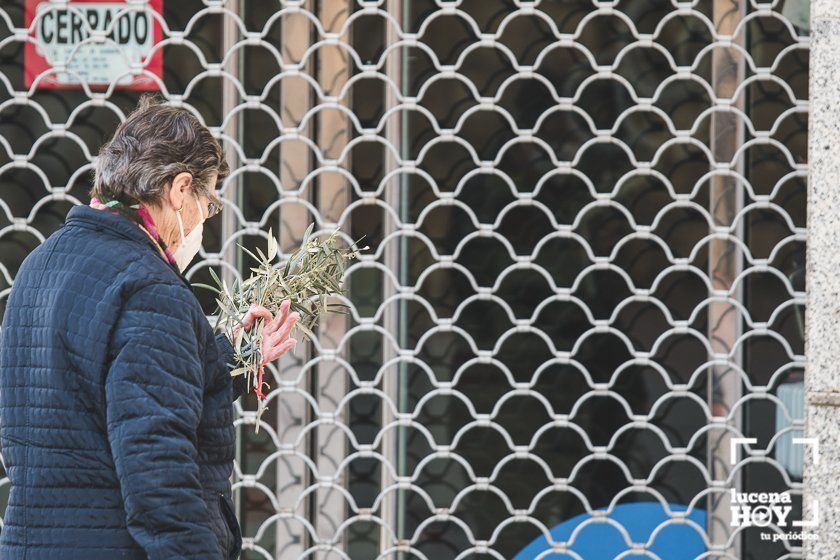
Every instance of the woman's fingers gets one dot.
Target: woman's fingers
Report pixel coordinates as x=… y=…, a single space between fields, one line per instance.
x=284 y=331
x=276 y=351
x=276 y=331
x=279 y=318
x=277 y=341
x=258 y=312
x=287 y=325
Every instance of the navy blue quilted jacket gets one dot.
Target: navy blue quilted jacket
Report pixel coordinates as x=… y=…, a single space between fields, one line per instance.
x=116 y=404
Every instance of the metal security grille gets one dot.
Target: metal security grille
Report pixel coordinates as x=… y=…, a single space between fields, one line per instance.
x=587 y=232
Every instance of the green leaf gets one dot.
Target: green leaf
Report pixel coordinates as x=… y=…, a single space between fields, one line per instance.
x=249 y=252
x=207 y=286
x=307 y=233
x=215 y=277
x=305 y=330
x=262 y=255
x=239 y=336
x=272 y=246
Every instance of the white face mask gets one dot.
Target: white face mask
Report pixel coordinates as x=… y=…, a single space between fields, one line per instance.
x=190 y=244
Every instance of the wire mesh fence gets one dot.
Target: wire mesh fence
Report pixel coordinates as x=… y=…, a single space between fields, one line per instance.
x=586 y=275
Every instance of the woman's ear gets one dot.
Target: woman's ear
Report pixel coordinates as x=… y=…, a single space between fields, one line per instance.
x=178 y=189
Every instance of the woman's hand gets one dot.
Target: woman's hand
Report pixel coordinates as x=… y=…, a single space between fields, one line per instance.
x=276 y=339
x=255 y=312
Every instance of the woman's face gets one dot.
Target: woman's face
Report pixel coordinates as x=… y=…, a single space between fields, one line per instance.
x=181 y=195
x=190 y=211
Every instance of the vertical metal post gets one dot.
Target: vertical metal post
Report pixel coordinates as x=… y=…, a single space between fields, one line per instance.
x=332 y=197
x=725 y=264
x=296 y=163
x=230 y=98
x=394 y=130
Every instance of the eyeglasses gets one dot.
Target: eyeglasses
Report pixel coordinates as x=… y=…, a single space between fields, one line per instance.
x=213 y=207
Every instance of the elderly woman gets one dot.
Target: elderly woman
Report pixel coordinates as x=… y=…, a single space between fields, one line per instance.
x=116 y=399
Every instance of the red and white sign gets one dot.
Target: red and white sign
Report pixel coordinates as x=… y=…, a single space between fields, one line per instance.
x=60 y=29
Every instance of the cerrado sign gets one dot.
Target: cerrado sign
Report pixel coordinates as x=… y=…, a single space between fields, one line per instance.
x=93 y=42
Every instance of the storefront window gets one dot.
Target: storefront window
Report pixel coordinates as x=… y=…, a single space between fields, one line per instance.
x=585 y=277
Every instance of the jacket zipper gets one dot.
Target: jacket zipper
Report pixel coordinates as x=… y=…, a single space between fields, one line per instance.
x=228 y=529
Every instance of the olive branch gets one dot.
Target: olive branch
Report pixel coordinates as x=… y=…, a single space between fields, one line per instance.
x=311 y=274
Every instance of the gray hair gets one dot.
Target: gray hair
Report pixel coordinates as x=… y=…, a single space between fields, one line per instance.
x=155 y=143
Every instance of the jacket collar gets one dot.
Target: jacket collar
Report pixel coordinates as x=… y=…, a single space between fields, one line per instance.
x=120 y=225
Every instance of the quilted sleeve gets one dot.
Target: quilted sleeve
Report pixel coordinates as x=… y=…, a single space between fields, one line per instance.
x=227 y=353
x=153 y=394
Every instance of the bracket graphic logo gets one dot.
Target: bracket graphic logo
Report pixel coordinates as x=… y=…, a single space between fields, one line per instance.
x=762 y=509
